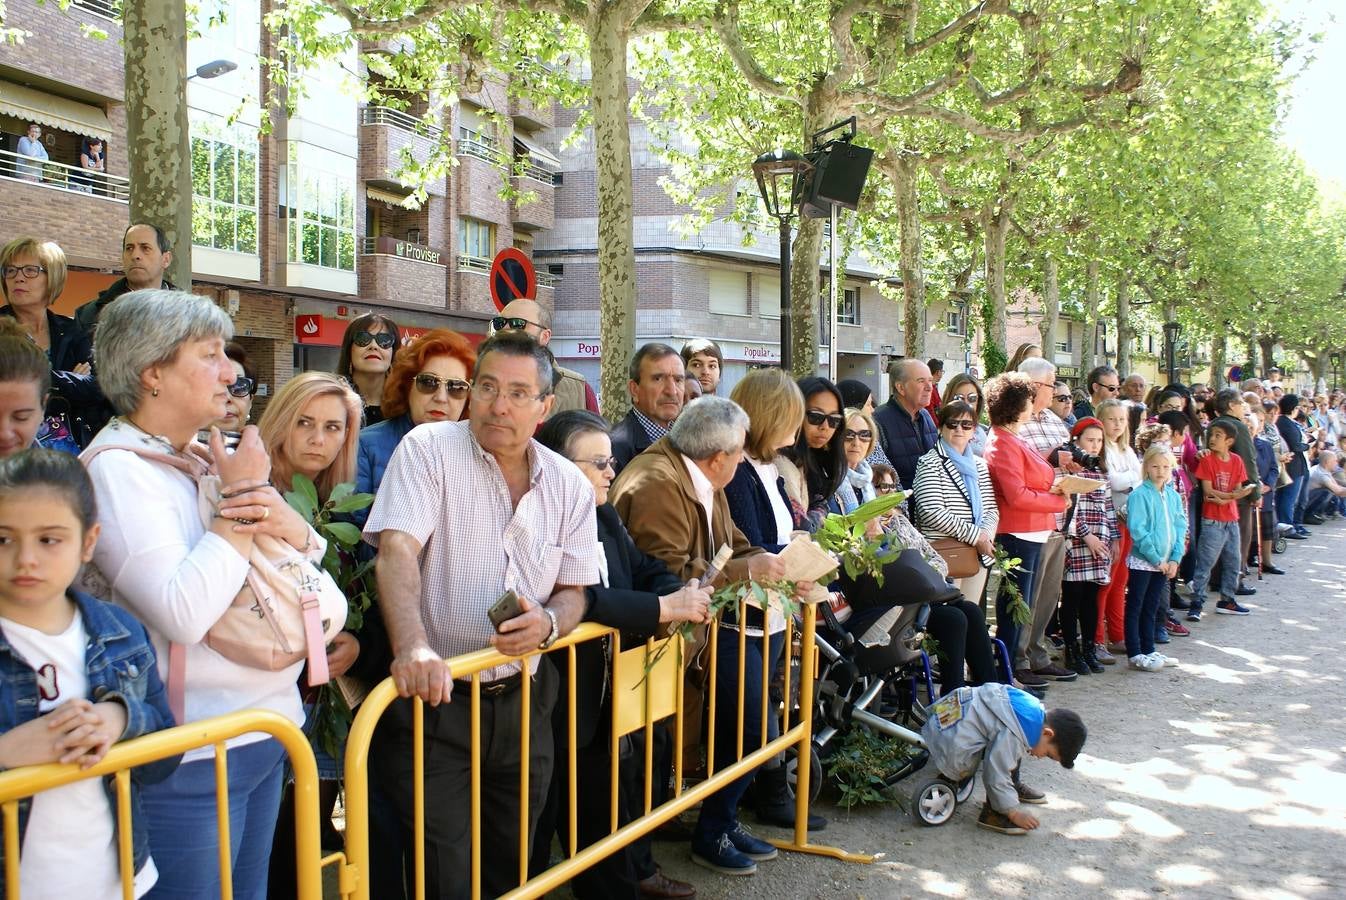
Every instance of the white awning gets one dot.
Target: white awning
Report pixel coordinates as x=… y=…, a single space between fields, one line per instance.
x=382 y=196
x=539 y=154
x=55 y=112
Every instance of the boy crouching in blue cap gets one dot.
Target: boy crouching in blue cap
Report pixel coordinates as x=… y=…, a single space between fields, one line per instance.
x=994 y=725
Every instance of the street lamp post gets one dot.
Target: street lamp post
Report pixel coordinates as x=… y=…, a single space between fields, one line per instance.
x=1335 y=358
x=781 y=175
x=1171 y=331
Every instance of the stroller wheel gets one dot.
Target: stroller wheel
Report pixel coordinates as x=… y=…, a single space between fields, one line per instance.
x=964 y=788
x=815 y=771
x=1280 y=545
x=933 y=801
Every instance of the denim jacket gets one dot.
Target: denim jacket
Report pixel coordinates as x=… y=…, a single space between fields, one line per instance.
x=120 y=666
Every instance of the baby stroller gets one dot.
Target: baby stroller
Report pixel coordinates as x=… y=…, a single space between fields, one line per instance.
x=873 y=674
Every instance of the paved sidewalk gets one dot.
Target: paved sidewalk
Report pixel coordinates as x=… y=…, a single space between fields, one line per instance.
x=1224 y=777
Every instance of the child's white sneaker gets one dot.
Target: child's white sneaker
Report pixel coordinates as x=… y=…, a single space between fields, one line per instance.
x=1161 y=660
x=1142 y=663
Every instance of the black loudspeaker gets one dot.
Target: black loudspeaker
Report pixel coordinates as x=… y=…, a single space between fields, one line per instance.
x=839 y=173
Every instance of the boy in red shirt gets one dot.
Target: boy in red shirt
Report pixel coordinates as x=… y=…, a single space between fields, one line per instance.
x=1224 y=481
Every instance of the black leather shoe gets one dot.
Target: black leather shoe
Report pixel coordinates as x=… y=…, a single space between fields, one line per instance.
x=776 y=805
x=1244 y=591
x=1273 y=570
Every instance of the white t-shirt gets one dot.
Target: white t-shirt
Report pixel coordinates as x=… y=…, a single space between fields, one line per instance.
x=768 y=474
x=57 y=860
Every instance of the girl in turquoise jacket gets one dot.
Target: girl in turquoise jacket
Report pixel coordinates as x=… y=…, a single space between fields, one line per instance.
x=1158 y=524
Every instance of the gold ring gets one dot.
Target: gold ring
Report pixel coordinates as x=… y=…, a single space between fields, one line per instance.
x=266 y=511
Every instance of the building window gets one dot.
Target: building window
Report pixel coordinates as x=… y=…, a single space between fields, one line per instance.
x=728 y=292
x=848 y=309
x=476 y=238
x=768 y=296
x=1064 y=346
x=319 y=199
x=224 y=191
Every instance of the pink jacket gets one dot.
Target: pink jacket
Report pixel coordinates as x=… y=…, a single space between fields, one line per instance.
x=1022 y=480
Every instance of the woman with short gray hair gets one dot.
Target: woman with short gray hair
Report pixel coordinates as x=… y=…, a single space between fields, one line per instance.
x=162 y=363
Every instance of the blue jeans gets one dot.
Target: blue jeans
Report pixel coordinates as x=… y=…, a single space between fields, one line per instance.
x=1025 y=578
x=1144 y=591
x=1287 y=498
x=183 y=836
x=719 y=811
x=1218 y=541
x=1320 y=502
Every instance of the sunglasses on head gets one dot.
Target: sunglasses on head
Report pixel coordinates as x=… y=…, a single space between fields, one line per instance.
x=814 y=417
x=243 y=386
x=382 y=338
x=512 y=323
x=429 y=384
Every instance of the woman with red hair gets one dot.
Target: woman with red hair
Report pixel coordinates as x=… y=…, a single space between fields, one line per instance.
x=429 y=381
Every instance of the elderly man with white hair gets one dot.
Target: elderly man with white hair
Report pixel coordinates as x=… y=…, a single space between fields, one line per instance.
x=1045 y=433
x=671 y=497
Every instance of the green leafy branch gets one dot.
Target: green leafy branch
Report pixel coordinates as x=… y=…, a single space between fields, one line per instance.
x=1016 y=606
x=729 y=597
x=331 y=714
x=864 y=765
x=843 y=535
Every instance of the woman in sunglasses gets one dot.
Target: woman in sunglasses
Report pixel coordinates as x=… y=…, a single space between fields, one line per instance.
x=367 y=351
x=954 y=495
x=965 y=388
x=819 y=452
x=429 y=382
x=238 y=408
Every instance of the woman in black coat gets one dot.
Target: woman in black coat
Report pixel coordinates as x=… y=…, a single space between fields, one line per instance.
x=637 y=594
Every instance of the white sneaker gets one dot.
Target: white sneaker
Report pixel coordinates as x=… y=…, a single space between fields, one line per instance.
x=1143 y=663
x=1160 y=660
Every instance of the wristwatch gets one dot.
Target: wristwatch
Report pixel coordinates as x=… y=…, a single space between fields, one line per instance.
x=555 y=630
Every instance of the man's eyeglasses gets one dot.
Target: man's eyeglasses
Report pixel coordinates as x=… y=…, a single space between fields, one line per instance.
x=1061 y=398
x=600 y=463
x=1110 y=388
x=514 y=323
x=865 y=435
x=1049 y=385
x=885 y=487
x=517 y=397
x=962 y=425
x=429 y=384
x=243 y=386
x=28 y=271
x=815 y=418
x=382 y=338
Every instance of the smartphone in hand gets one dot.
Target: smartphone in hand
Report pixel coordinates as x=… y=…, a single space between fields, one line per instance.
x=504 y=609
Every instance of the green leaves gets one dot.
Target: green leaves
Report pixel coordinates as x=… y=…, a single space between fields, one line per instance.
x=844 y=536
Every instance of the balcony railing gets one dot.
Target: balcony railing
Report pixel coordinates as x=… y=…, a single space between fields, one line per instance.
x=471 y=143
x=108 y=9
x=548 y=280
x=537 y=173
x=383 y=115
x=478 y=264
x=63 y=177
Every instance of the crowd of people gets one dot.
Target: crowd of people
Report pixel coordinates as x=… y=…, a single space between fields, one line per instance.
x=497 y=485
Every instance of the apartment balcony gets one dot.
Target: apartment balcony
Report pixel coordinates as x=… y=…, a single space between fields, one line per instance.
x=55 y=37
x=534 y=206
x=402 y=272
x=85 y=212
x=385 y=136
x=482 y=169
x=532 y=116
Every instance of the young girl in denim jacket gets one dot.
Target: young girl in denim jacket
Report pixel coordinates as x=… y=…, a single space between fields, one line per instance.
x=76 y=676
x=1158 y=526
x=1093 y=544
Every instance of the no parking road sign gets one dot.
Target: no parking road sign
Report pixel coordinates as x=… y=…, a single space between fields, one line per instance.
x=512 y=277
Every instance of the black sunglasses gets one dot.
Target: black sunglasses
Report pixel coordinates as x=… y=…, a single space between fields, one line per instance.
x=885 y=487
x=852 y=435
x=429 y=384
x=382 y=338
x=516 y=323
x=814 y=417
x=1061 y=398
x=243 y=386
x=962 y=425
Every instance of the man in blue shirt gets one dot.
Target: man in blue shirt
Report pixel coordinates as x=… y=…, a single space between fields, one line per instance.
x=906 y=430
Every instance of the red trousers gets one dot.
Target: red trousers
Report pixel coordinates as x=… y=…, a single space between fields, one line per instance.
x=1112 y=596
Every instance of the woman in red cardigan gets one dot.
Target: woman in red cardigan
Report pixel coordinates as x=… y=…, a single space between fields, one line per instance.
x=1024 y=490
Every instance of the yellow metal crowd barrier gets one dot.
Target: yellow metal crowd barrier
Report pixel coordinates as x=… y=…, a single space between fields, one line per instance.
x=640 y=697
x=18 y=784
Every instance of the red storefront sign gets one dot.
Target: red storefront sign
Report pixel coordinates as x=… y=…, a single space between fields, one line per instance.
x=318 y=330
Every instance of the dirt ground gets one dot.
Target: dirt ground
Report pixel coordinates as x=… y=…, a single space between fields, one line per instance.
x=1223 y=777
